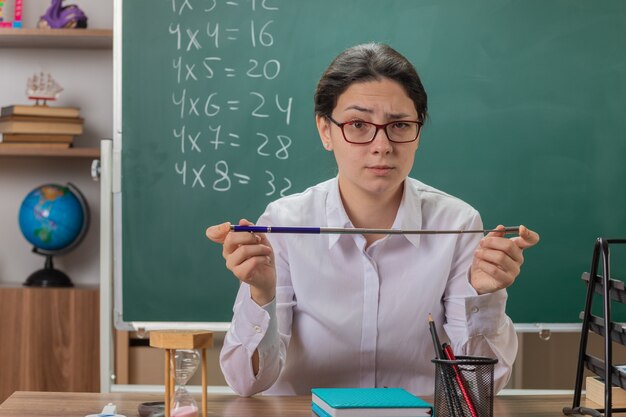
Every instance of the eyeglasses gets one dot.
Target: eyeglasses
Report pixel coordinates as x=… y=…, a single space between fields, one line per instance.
x=398 y=131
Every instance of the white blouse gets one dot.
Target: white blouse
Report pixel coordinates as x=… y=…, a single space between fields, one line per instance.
x=347 y=316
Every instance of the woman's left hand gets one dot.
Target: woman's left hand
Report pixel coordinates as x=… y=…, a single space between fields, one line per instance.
x=497 y=260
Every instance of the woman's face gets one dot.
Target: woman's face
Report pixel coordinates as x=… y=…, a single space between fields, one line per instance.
x=377 y=168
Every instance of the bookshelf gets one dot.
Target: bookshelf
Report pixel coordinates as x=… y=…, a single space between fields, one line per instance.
x=609 y=291
x=51 y=335
x=56 y=38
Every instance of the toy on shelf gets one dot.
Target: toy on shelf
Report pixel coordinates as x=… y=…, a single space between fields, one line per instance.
x=58 y=16
x=42 y=87
x=8 y=7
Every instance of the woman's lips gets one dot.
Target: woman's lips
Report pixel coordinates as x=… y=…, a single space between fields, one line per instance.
x=380 y=169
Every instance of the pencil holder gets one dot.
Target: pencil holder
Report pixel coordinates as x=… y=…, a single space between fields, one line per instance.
x=464 y=387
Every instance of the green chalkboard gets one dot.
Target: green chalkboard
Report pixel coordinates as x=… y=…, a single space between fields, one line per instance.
x=527 y=123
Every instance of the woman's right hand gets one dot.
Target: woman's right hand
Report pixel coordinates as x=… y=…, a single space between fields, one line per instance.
x=249 y=256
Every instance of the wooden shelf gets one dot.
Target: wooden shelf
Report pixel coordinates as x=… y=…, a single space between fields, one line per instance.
x=71 y=152
x=56 y=38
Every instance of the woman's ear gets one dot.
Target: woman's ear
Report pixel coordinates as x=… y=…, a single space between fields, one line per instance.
x=323 y=128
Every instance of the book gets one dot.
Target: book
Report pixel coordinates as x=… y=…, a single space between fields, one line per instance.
x=33 y=145
x=367 y=402
x=41 y=119
x=595 y=392
x=15 y=124
x=50 y=111
x=38 y=138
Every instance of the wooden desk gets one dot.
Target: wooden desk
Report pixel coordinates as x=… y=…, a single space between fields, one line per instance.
x=50 y=404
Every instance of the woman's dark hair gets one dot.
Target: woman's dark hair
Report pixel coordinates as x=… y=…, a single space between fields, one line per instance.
x=368 y=62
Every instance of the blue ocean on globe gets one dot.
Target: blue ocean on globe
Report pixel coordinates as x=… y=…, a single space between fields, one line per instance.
x=51 y=217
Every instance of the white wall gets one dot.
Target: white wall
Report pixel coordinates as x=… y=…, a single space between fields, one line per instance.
x=87 y=79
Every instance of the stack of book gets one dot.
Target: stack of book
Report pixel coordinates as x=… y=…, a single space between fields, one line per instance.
x=39 y=126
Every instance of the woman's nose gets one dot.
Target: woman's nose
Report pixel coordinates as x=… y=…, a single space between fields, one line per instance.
x=381 y=142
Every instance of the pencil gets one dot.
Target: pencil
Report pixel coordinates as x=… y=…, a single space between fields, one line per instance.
x=447 y=349
x=362 y=231
x=433 y=333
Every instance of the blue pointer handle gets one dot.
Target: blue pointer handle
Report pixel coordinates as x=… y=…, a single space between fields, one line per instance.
x=275 y=229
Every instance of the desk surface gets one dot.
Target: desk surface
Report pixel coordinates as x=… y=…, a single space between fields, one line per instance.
x=52 y=404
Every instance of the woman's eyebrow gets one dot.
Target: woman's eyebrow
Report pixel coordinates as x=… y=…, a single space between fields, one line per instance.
x=394 y=116
x=389 y=116
x=359 y=108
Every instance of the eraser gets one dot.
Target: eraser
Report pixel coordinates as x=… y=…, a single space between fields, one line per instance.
x=109 y=410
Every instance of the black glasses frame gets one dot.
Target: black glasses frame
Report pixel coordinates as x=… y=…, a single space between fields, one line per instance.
x=378 y=127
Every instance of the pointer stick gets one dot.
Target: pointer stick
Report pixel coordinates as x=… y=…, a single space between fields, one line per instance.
x=359 y=231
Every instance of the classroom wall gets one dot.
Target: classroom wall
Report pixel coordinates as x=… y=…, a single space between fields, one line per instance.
x=87 y=79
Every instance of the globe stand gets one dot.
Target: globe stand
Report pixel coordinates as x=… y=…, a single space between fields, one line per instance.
x=48 y=277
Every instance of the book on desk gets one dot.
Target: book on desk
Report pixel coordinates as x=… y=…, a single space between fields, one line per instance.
x=367 y=402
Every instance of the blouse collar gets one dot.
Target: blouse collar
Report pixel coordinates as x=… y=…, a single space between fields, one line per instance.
x=409 y=216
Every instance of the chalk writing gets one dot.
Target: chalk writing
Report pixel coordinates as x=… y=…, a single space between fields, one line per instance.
x=222 y=120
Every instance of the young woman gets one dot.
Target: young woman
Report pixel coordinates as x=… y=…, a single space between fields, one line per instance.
x=352 y=310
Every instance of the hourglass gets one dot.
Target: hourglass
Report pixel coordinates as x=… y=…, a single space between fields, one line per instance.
x=181 y=361
x=183 y=404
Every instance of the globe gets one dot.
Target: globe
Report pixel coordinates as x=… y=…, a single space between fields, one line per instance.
x=54 y=219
